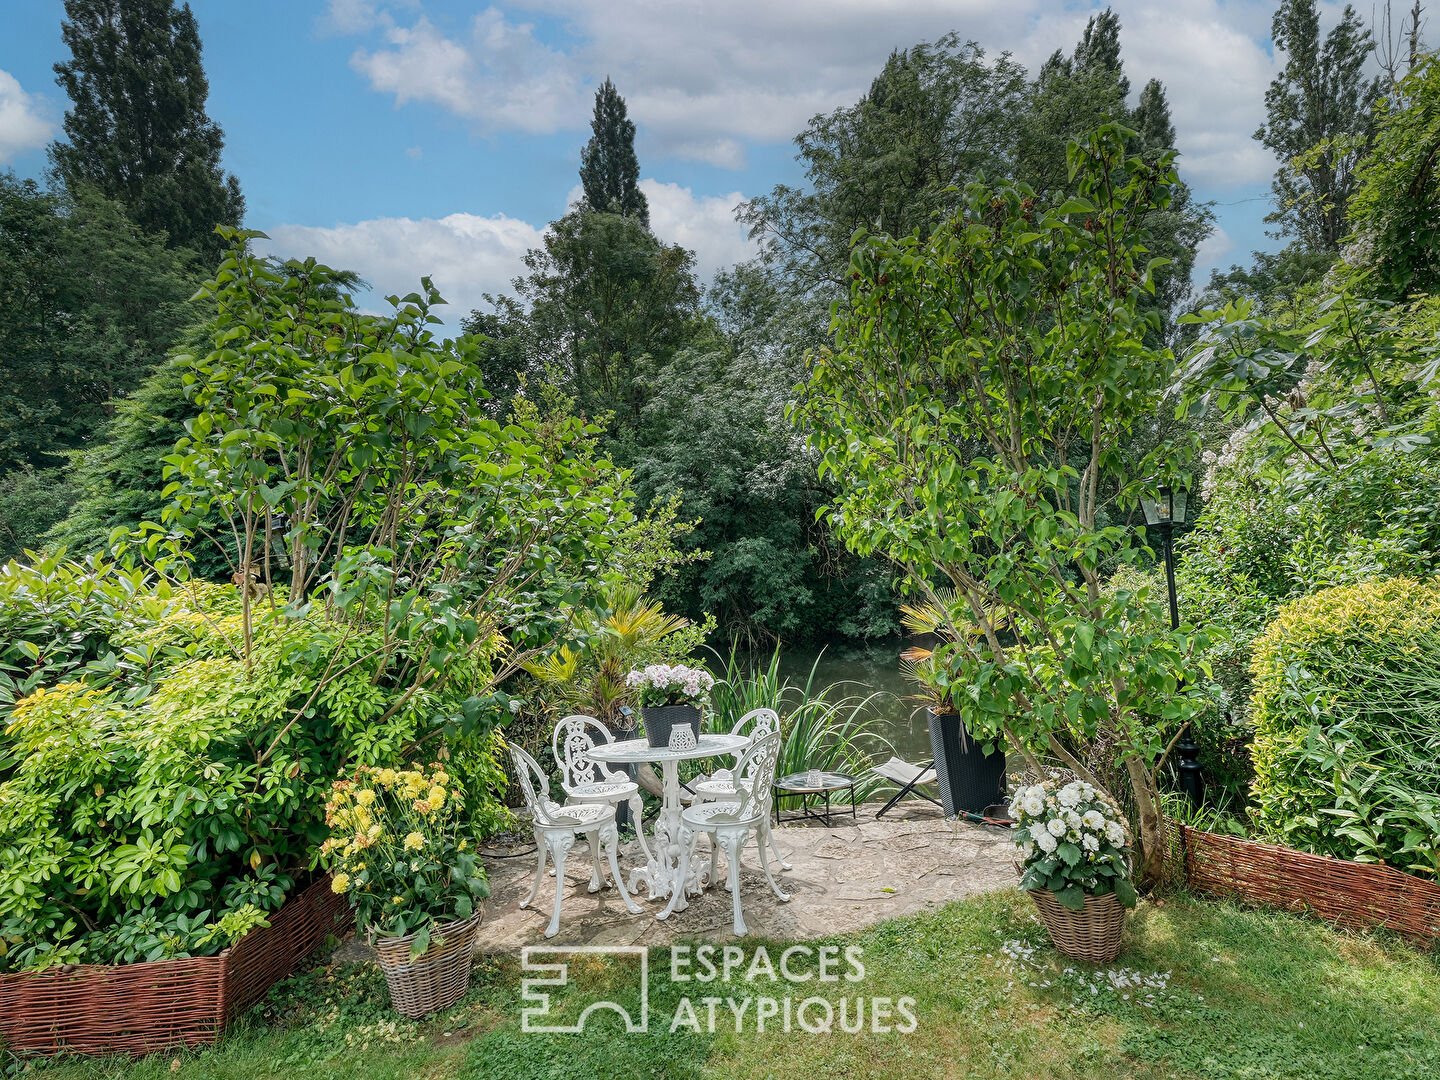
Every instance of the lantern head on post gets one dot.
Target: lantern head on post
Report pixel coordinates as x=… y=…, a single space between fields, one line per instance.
x=279 y=527
x=1167 y=508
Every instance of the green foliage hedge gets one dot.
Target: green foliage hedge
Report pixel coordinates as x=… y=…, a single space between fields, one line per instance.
x=1347 y=724
x=160 y=793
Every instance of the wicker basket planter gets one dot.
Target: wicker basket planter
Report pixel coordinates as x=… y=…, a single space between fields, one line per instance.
x=1091 y=934
x=1354 y=895
x=143 y=1008
x=436 y=979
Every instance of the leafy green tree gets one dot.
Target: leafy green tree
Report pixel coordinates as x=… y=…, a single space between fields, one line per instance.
x=936 y=116
x=1395 y=212
x=89 y=303
x=1318 y=121
x=137 y=127
x=716 y=437
x=977 y=414
x=1152 y=117
x=507 y=351
x=609 y=169
x=31 y=501
x=1073 y=95
x=609 y=305
x=119 y=479
x=344 y=453
x=940 y=115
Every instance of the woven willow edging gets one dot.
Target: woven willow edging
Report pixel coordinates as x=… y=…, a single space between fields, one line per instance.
x=1091 y=934
x=437 y=978
x=1358 y=896
x=142 y=1008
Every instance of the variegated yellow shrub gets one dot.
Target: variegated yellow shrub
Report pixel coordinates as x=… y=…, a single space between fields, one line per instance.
x=1347 y=724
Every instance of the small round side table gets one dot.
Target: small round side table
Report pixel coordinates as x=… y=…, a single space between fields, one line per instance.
x=800 y=786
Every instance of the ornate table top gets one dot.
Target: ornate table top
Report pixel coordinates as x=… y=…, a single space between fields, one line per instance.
x=636 y=750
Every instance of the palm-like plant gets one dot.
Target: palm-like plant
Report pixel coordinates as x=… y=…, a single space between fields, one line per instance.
x=590 y=677
x=926 y=667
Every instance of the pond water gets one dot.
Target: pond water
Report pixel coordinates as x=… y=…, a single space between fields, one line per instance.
x=869 y=670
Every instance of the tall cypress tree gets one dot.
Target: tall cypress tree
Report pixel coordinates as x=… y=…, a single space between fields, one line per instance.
x=138 y=131
x=609 y=169
x=1322 y=96
x=1152 y=117
x=1071 y=96
x=1098 y=50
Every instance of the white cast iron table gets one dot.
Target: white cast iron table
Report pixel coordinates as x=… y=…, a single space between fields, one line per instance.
x=662 y=870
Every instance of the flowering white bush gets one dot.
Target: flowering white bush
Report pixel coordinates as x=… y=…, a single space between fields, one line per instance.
x=671 y=684
x=1073 y=842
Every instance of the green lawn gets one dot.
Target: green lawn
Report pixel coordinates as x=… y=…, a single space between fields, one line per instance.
x=1204 y=990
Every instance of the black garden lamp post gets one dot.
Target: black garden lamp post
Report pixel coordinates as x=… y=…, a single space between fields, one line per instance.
x=1162 y=514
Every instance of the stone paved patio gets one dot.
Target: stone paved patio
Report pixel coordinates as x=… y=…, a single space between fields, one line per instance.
x=841 y=879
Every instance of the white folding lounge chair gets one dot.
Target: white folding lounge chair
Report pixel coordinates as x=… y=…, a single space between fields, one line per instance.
x=909 y=777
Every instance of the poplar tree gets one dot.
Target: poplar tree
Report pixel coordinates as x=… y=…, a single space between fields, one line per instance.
x=1319 y=121
x=137 y=128
x=609 y=169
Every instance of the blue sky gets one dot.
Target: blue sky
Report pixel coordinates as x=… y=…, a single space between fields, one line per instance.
x=439 y=136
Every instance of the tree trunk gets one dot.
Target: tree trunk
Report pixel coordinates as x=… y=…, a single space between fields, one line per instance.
x=648 y=781
x=1150 y=844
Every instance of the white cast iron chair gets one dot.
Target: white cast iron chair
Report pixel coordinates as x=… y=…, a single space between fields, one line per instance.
x=730 y=825
x=756 y=724
x=586 y=780
x=555 y=829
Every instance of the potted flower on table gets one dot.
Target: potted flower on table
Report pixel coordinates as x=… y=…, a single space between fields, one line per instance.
x=400 y=848
x=671 y=695
x=1075 y=861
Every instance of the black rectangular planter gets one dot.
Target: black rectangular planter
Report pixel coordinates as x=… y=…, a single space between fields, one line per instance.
x=969 y=779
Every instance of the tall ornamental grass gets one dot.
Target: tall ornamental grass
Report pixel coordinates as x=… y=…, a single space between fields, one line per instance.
x=821 y=727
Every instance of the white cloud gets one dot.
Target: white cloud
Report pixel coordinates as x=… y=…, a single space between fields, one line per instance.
x=467 y=255
x=23 y=125
x=706 y=225
x=498 y=75
x=702 y=80
x=352 y=16
x=464 y=254
x=1212 y=251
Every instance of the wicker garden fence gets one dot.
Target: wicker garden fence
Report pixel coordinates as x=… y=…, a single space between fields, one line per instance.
x=142 y=1008
x=1349 y=894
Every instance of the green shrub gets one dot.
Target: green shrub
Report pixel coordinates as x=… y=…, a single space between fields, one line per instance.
x=59 y=619
x=1347 y=724
x=1262 y=540
x=162 y=812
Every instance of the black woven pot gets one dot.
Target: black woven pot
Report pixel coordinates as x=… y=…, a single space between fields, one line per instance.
x=660 y=719
x=969 y=780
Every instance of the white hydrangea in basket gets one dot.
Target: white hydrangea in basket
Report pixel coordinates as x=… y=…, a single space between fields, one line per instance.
x=1073 y=843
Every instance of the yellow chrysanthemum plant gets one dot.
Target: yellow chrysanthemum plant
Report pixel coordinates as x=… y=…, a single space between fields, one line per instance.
x=402 y=850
